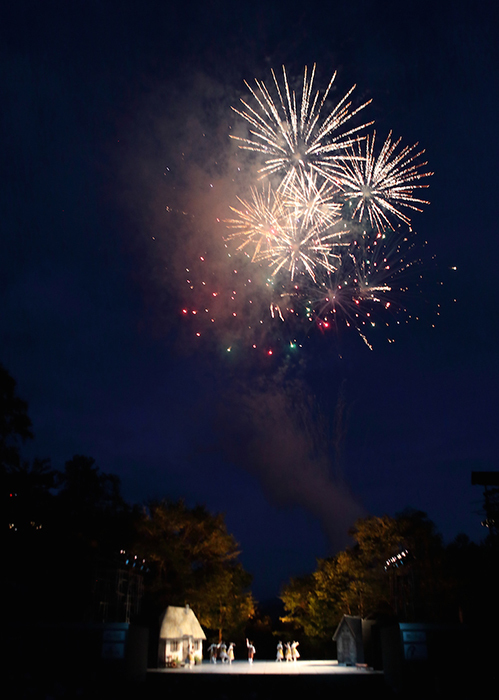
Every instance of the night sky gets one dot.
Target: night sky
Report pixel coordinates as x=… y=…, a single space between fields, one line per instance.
x=116 y=164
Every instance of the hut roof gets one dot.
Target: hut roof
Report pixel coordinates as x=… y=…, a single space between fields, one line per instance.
x=353 y=623
x=176 y=623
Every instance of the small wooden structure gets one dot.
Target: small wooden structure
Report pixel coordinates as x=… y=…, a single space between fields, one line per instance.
x=179 y=629
x=349 y=643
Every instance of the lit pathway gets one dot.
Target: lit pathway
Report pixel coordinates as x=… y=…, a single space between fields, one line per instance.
x=267 y=668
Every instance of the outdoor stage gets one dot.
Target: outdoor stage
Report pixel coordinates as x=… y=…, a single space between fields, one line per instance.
x=268 y=668
x=266 y=679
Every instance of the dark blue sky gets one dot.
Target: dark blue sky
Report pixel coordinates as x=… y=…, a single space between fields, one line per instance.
x=115 y=111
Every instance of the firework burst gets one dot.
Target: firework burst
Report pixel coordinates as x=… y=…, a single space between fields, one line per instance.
x=297 y=140
x=293 y=230
x=258 y=223
x=324 y=239
x=369 y=287
x=314 y=200
x=300 y=248
x=378 y=186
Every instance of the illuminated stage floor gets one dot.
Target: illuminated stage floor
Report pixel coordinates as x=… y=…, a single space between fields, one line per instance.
x=303 y=680
x=267 y=668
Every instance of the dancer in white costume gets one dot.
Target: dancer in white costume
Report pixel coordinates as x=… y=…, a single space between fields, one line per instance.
x=224 y=657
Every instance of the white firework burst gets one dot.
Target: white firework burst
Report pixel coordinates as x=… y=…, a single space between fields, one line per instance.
x=315 y=200
x=320 y=234
x=258 y=223
x=295 y=138
x=382 y=186
x=300 y=248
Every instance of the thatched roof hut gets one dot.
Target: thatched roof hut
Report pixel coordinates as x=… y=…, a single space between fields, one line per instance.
x=179 y=628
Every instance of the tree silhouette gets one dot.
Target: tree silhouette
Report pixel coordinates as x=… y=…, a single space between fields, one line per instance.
x=395 y=568
x=15 y=424
x=193 y=560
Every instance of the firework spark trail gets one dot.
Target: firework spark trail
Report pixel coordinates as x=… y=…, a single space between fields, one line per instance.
x=292 y=230
x=323 y=224
x=317 y=202
x=297 y=141
x=367 y=290
x=301 y=248
x=259 y=222
x=381 y=185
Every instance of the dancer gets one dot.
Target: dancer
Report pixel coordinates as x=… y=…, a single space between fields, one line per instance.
x=224 y=657
x=251 y=651
x=280 y=654
x=294 y=651
x=230 y=652
x=213 y=653
x=287 y=652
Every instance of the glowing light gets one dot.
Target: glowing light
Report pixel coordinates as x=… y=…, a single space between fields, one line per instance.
x=297 y=140
x=327 y=239
x=258 y=223
x=380 y=185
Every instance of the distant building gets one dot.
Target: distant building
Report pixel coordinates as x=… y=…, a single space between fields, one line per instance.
x=349 y=642
x=358 y=642
x=179 y=628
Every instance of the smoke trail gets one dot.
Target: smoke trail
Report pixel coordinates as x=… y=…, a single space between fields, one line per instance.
x=275 y=429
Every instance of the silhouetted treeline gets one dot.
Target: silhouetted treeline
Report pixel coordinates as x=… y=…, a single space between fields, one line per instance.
x=74 y=550
x=398 y=569
x=61 y=531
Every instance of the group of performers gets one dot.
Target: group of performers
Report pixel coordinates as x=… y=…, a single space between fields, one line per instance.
x=288 y=652
x=222 y=652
